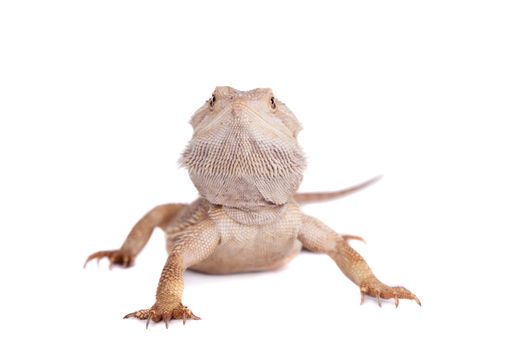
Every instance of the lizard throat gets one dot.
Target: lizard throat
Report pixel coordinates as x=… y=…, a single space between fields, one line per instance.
x=244 y=170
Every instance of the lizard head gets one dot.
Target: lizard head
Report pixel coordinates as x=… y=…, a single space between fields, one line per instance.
x=244 y=151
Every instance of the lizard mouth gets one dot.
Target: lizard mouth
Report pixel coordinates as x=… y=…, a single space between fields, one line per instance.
x=242 y=116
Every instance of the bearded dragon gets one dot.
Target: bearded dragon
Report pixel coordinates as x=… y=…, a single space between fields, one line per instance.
x=246 y=163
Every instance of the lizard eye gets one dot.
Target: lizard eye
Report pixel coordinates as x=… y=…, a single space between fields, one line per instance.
x=211 y=101
x=272 y=102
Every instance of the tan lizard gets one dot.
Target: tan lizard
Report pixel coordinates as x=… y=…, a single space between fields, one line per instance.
x=247 y=165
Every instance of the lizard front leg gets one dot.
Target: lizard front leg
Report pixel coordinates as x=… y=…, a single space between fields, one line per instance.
x=190 y=247
x=317 y=237
x=139 y=235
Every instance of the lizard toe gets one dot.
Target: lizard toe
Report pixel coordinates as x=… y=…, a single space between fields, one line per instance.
x=115 y=257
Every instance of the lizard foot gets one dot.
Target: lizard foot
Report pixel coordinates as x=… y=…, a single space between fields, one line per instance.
x=164 y=313
x=380 y=291
x=116 y=257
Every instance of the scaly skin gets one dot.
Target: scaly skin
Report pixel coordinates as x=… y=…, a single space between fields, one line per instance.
x=245 y=161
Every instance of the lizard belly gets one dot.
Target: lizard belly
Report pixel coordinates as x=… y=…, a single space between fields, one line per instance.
x=246 y=248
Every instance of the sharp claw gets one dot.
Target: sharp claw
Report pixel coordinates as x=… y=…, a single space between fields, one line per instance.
x=362 y=298
x=417 y=300
x=166 y=320
x=128 y=315
x=396 y=300
x=91 y=257
x=353 y=237
x=378 y=300
x=112 y=261
x=149 y=319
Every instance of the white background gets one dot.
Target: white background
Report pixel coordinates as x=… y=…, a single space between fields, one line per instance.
x=94 y=102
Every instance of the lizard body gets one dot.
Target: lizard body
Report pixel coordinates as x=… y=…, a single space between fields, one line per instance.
x=246 y=163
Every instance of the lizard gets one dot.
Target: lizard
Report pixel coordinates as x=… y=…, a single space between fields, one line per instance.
x=246 y=163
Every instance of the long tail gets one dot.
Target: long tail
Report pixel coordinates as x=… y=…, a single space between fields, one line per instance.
x=311 y=197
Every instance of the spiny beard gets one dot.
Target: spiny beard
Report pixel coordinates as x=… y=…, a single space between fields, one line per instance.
x=244 y=169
